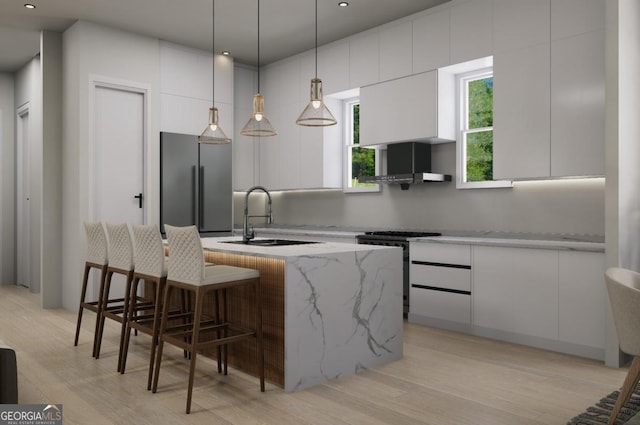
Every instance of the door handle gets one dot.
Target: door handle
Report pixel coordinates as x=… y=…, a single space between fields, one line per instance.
x=139 y=198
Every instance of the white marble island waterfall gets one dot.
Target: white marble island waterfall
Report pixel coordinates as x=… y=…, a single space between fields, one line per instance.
x=341 y=306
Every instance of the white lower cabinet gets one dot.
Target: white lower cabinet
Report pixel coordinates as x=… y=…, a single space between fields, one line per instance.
x=440 y=282
x=582 y=298
x=549 y=298
x=516 y=290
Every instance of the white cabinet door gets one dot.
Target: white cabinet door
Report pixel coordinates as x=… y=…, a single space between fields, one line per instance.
x=516 y=290
x=333 y=68
x=364 y=57
x=245 y=166
x=521 y=144
x=578 y=105
x=396 y=53
x=471 y=30
x=399 y=110
x=299 y=157
x=582 y=298
x=431 y=48
x=441 y=305
x=520 y=23
x=573 y=17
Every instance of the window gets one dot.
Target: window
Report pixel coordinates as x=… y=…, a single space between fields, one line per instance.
x=359 y=160
x=475 y=141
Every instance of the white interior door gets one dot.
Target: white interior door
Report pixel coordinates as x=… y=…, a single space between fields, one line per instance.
x=118 y=159
x=23 y=169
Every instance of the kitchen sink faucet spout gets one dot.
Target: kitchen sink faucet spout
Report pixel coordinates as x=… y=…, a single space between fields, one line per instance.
x=247 y=230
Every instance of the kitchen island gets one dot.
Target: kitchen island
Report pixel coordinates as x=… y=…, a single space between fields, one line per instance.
x=329 y=309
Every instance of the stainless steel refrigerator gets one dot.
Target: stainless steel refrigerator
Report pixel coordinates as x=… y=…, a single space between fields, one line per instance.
x=195 y=184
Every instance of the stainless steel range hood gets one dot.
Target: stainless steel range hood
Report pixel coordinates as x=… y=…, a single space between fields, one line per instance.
x=408 y=163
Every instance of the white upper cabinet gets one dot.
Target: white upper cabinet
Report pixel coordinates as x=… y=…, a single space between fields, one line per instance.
x=245 y=166
x=281 y=84
x=333 y=67
x=578 y=105
x=298 y=157
x=521 y=132
x=573 y=17
x=399 y=110
x=549 y=98
x=396 y=54
x=471 y=30
x=187 y=72
x=520 y=23
x=431 y=48
x=364 y=57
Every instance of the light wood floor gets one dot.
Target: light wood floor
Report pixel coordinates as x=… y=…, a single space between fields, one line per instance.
x=444 y=378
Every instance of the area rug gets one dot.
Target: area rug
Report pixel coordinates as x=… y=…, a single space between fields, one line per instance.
x=600 y=412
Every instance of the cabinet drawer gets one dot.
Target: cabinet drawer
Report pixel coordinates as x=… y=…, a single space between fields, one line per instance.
x=441 y=253
x=441 y=305
x=441 y=277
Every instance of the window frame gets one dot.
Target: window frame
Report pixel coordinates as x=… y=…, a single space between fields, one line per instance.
x=348 y=146
x=462 y=114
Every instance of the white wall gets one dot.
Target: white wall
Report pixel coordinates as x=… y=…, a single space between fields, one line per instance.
x=561 y=206
x=94 y=51
x=622 y=148
x=51 y=68
x=28 y=89
x=7 y=187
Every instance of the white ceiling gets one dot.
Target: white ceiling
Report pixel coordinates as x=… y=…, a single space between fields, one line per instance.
x=286 y=26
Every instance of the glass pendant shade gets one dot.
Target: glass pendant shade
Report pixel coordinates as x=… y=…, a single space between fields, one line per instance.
x=316 y=114
x=258 y=125
x=213 y=134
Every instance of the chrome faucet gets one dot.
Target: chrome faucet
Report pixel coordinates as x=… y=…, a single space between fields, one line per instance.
x=247 y=230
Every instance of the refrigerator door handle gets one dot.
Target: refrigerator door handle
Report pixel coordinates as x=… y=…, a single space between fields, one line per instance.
x=194 y=171
x=201 y=225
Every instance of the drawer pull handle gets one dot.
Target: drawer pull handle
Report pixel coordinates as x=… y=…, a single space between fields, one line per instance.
x=434 y=288
x=452 y=266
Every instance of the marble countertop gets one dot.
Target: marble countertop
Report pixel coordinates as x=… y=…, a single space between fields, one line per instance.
x=329 y=231
x=522 y=241
x=491 y=238
x=284 y=251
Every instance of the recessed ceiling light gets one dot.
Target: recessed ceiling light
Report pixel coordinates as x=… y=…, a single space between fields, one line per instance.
x=30 y=6
x=343 y=4
x=226 y=53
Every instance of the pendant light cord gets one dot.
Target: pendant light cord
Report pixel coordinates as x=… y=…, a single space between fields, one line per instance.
x=316 y=38
x=213 y=52
x=258 y=46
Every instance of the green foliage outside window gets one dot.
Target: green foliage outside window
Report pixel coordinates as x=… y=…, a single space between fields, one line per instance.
x=480 y=156
x=479 y=144
x=363 y=160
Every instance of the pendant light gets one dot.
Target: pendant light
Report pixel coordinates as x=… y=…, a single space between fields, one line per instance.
x=316 y=114
x=213 y=134
x=258 y=125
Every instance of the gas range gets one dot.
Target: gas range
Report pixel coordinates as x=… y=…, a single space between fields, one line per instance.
x=386 y=235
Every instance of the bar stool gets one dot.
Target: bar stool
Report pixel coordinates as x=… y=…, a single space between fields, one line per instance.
x=97 y=258
x=150 y=267
x=120 y=262
x=187 y=271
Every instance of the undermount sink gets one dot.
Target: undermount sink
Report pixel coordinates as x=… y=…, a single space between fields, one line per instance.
x=271 y=242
